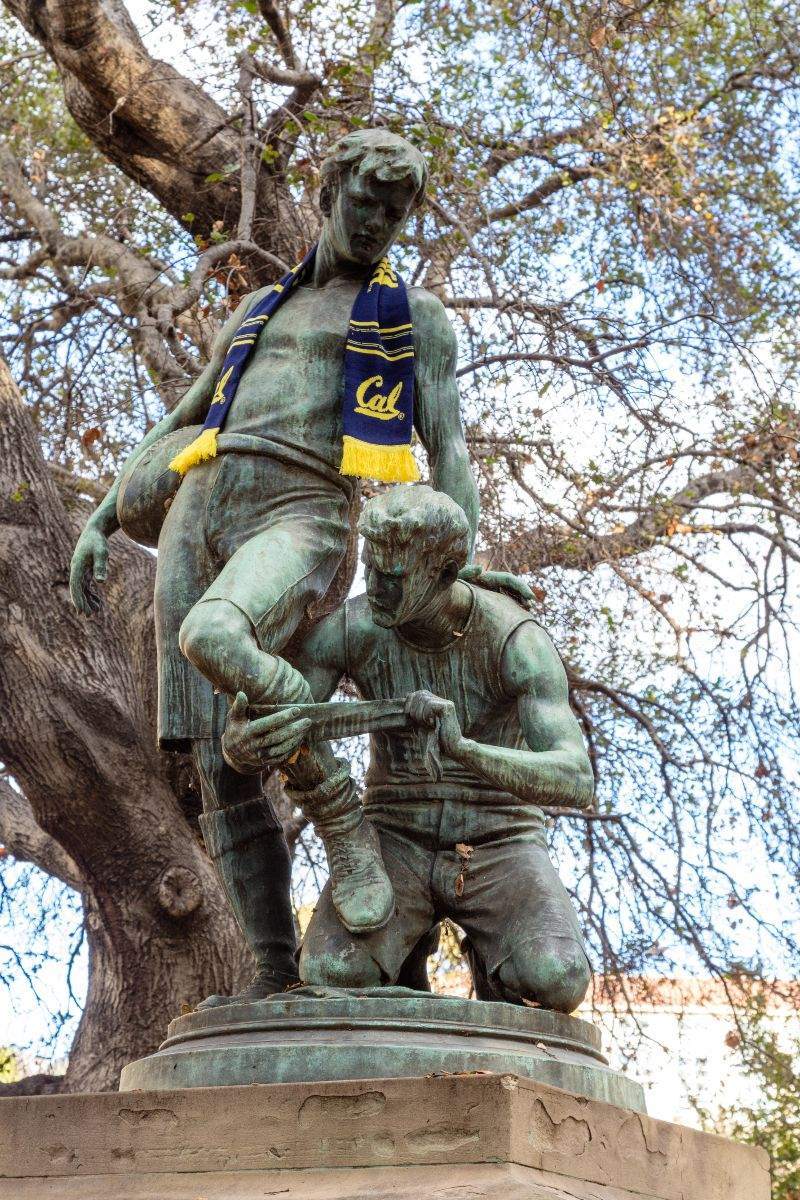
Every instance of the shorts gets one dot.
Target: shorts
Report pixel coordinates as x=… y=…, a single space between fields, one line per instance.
x=246 y=528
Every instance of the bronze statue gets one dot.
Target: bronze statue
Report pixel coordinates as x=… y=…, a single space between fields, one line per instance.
x=478 y=671
x=254 y=537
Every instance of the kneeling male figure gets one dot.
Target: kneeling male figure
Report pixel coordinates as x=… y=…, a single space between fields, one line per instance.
x=471 y=846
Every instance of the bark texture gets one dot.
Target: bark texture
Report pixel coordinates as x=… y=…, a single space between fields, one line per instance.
x=78 y=737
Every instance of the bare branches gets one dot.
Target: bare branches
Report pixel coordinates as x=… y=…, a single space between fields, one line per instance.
x=139 y=284
x=556 y=182
x=582 y=814
x=581 y=550
x=560 y=360
x=505 y=152
x=303 y=82
x=271 y=14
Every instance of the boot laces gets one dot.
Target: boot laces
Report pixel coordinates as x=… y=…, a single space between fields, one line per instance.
x=342 y=854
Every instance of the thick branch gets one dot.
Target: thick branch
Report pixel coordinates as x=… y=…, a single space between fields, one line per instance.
x=159 y=127
x=284 y=78
x=26 y=840
x=504 y=152
x=556 y=182
x=580 y=550
x=271 y=14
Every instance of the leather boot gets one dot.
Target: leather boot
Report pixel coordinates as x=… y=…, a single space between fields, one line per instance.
x=360 y=888
x=248 y=848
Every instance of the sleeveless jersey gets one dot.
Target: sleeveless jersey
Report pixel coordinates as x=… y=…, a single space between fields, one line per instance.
x=382 y=665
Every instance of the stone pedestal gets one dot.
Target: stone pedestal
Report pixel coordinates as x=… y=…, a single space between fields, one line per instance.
x=305 y=1037
x=470 y=1136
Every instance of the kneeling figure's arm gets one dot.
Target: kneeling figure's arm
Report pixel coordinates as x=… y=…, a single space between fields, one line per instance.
x=555 y=769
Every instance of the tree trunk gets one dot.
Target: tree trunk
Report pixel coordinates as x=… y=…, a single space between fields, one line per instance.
x=78 y=736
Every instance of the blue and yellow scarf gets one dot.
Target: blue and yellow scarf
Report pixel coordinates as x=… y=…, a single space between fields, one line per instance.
x=378 y=408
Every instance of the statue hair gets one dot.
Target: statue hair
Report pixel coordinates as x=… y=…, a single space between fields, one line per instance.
x=415 y=515
x=377 y=152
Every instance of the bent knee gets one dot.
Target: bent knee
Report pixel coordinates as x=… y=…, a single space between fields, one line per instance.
x=339 y=966
x=207 y=628
x=550 y=971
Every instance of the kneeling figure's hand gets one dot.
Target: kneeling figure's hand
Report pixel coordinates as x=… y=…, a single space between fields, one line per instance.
x=267 y=742
x=436 y=713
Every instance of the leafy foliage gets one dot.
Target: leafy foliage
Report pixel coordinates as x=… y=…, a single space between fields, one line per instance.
x=771 y=1057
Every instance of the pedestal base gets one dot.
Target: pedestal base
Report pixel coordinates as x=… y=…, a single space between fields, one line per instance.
x=390 y=1032
x=472 y=1136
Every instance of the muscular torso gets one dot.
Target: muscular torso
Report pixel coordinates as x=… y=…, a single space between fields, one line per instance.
x=468 y=672
x=291 y=390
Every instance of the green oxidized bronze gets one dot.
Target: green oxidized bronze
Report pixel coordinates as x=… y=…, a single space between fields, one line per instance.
x=460 y=831
x=250 y=541
x=253 y=537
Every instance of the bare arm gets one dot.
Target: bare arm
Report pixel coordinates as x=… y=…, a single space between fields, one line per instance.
x=555 y=769
x=437 y=414
x=321 y=657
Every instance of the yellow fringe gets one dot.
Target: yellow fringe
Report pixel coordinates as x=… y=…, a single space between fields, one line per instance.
x=204 y=446
x=389 y=464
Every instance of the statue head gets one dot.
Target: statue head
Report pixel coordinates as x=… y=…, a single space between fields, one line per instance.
x=370 y=181
x=416 y=541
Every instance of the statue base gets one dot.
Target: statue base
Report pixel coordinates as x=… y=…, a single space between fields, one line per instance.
x=474 y=1135
x=328 y=1034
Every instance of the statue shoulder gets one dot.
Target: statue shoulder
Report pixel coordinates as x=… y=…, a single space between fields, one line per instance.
x=361 y=631
x=506 y=626
x=531 y=662
x=253 y=298
x=245 y=305
x=430 y=319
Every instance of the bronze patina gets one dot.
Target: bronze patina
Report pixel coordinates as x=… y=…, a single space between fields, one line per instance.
x=252 y=540
x=461 y=833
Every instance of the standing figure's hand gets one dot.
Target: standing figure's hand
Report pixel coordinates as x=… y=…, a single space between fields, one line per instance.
x=500 y=581
x=89 y=565
x=435 y=713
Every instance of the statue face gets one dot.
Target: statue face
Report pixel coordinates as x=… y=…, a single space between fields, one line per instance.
x=366 y=216
x=400 y=586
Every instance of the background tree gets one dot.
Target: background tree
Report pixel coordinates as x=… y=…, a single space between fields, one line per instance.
x=771 y=1057
x=612 y=225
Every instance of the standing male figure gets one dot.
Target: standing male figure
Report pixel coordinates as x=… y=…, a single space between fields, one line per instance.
x=255 y=534
x=471 y=845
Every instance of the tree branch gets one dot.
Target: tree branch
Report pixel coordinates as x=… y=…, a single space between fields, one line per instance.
x=580 y=550
x=159 y=127
x=556 y=182
x=271 y=14
x=249 y=157
x=502 y=153
x=26 y=840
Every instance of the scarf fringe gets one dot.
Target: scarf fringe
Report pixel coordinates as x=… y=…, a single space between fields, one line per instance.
x=388 y=464
x=203 y=447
